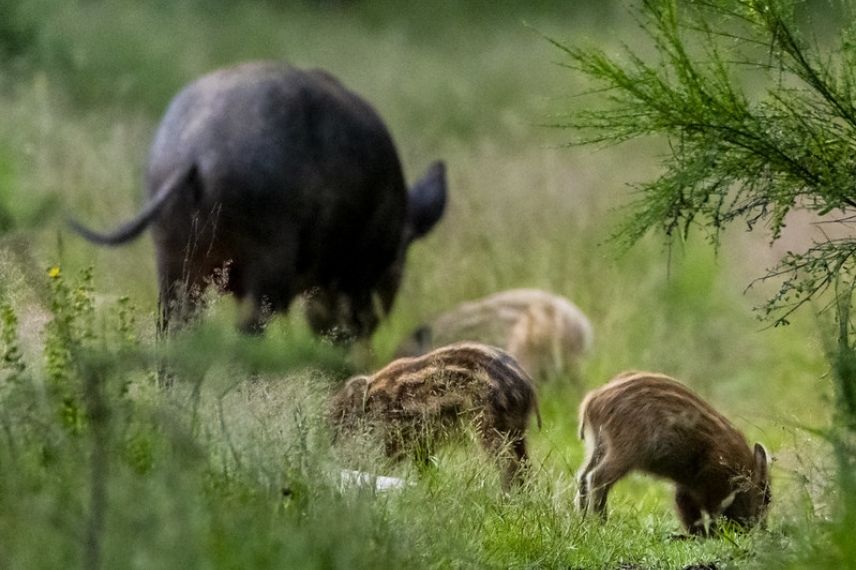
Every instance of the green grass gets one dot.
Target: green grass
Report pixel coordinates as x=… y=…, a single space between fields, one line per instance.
x=195 y=474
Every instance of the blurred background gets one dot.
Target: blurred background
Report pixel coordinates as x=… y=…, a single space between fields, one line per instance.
x=477 y=84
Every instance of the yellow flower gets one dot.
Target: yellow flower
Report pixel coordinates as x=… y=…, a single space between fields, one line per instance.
x=54 y=272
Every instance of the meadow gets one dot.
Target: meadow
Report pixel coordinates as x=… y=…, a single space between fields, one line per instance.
x=99 y=467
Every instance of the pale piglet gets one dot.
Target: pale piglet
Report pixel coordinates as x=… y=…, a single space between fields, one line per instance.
x=545 y=332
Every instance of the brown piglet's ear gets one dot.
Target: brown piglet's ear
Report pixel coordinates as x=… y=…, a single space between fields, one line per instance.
x=762 y=463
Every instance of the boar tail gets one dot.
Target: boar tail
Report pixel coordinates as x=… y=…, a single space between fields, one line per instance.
x=135 y=227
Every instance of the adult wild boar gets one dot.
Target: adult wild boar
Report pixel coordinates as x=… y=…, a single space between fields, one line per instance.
x=289 y=183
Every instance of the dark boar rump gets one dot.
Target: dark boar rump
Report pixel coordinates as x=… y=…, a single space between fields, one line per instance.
x=287 y=183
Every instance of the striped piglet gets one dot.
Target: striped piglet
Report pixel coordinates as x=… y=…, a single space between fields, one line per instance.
x=413 y=404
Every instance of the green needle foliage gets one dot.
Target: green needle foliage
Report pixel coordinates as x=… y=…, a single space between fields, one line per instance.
x=759 y=121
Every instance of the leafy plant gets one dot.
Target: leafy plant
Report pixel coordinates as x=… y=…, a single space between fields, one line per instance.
x=66 y=334
x=13 y=359
x=760 y=121
x=735 y=153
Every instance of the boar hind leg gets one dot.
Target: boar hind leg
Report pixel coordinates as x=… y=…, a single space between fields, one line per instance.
x=268 y=289
x=689 y=511
x=256 y=318
x=423 y=451
x=600 y=481
x=399 y=441
x=508 y=449
x=518 y=463
x=595 y=452
x=178 y=297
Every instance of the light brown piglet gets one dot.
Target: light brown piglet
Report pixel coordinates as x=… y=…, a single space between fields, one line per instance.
x=652 y=423
x=545 y=332
x=415 y=403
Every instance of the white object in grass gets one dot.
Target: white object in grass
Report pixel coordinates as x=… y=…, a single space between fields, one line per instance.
x=358 y=479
